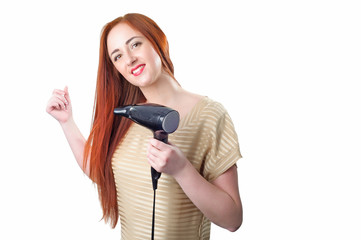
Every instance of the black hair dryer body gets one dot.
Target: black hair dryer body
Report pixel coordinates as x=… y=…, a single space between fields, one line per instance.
x=160 y=119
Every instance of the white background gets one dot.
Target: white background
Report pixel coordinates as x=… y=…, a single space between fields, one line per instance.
x=287 y=71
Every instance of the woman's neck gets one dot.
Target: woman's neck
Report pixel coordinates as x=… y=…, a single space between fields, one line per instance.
x=165 y=91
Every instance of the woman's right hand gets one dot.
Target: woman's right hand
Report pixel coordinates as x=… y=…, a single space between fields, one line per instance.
x=59 y=105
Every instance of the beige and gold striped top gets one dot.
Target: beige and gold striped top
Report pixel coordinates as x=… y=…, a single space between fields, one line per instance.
x=207 y=138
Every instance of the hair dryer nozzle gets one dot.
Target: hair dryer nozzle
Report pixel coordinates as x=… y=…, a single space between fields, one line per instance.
x=123 y=111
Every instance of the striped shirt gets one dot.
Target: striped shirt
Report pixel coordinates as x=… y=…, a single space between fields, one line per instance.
x=207 y=138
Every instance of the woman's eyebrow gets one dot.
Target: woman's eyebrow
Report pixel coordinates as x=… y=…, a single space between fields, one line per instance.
x=130 y=39
x=126 y=43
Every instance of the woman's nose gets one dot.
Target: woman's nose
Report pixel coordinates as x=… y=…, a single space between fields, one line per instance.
x=130 y=59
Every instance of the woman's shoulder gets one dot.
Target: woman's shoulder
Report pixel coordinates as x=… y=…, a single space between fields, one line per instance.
x=208 y=109
x=212 y=107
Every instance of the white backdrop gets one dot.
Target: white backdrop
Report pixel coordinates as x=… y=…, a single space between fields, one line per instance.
x=287 y=71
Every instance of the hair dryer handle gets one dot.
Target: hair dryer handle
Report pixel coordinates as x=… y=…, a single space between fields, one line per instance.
x=161 y=136
x=155 y=176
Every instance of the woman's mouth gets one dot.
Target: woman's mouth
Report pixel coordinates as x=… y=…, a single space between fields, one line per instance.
x=138 y=70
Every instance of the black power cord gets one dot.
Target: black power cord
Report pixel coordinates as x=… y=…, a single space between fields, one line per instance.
x=153 y=218
x=155 y=176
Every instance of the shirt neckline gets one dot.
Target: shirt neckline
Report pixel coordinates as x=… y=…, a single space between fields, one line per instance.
x=183 y=121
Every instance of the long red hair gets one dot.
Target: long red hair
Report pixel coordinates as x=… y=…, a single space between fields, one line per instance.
x=113 y=90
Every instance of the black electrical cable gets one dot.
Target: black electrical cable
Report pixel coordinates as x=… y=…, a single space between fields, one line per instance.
x=155 y=176
x=153 y=218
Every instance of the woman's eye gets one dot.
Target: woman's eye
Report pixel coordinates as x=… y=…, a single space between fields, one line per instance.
x=137 y=44
x=116 y=58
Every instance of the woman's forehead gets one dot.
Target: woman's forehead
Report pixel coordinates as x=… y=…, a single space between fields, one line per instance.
x=122 y=32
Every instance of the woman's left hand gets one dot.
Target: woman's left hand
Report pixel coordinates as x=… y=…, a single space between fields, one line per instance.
x=165 y=158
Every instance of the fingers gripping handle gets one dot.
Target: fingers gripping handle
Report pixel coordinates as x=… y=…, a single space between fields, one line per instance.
x=161 y=136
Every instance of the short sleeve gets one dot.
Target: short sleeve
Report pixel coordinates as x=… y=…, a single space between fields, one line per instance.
x=222 y=142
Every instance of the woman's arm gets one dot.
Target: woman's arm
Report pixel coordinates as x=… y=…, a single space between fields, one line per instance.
x=218 y=200
x=76 y=142
x=59 y=106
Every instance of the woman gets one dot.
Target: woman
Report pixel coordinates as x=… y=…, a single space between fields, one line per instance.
x=199 y=182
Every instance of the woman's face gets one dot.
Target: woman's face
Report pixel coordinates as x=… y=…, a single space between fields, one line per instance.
x=133 y=55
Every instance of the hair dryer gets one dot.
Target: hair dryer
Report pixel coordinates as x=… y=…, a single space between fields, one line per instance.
x=160 y=119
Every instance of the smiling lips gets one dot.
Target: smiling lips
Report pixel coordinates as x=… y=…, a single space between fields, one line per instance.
x=138 y=69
